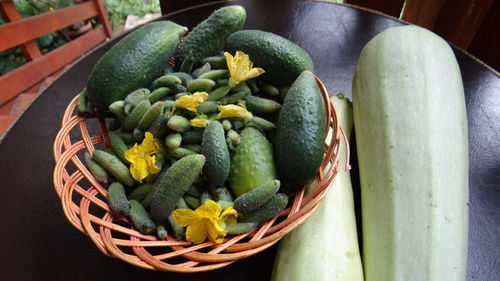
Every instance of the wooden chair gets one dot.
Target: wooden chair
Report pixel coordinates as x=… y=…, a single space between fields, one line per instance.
x=468 y=24
x=22 y=32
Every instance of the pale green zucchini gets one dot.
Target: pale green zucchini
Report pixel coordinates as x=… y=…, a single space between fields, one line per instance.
x=411 y=133
x=325 y=246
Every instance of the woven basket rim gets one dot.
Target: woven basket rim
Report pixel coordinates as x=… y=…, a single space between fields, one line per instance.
x=102 y=229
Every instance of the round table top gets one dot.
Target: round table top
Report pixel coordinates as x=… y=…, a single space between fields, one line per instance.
x=38 y=243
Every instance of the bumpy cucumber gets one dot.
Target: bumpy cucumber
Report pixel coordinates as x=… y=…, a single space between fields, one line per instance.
x=95 y=169
x=208 y=37
x=140 y=218
x=135 y=116
x=178 y=123
x=216 y=153
x=207 y=107
x=114 y=166
x=171 y=185
x=141 y=192
x=118 y=202
x=269 y=210
x=261 y=123
x=256 y=197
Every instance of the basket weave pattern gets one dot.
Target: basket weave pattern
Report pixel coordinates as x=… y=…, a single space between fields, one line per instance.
x=84 y=202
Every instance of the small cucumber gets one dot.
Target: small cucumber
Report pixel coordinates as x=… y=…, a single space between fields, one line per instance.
x=270 y=90
x=114 y=166
x=187 y=64
x=114 y=124
x=82 y=102
x=223 y=194
x=159 y=93
x=118 y=202
x=138 y=135
x=134 y=98
x=185 y=77
x=253 y=86
x=233 y=137
x=178 y=230
x=127 y=137
x=216 y=62
x=95 y=169
x=173 y=141
x=161 y=231
x=261 y=123
x=218 y=93
x=262 y=105
x=234 y=98
x=222 y=82
x=200 y=84
x=192 y=201
x=242 y=86
x=171 y=185
x=140 y=218
x=207 y=107
x=179 y=124
x=194 y=147
x=226 y=124
x=118 y=145
x=180 y=152
x=283 y=92
x=159 y=127
x=215 y=74
x=240 y=228
x=225 y=204
x=179 y=88
x=269 y=210
x=178 y=95
x=193 y=191
x=199 y=71
x=166 y=81
x=192 y=137
x=216 y=153
x=118 y=108
x=150 y=116
x=135 y=116
x=140 y=192
x=204 y=197
x=256 y=197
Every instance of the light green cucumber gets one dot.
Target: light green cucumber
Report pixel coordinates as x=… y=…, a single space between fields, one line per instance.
x=261 y=105
x=179 y=124
x=200 y=84
x=135 y=115
x=150 y=116
x=95 y=169
x=114 y=166
x=118 y=145
x=159 y=93
x=166 y=81
x=240 y=228
x=268 y=210
x=218 y=93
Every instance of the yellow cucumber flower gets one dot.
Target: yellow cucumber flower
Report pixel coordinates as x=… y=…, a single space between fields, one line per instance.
x=198 y=122
x=205 y=222
x=191 y=102
x=142 y=158
x=241 y=68
x=232 y=110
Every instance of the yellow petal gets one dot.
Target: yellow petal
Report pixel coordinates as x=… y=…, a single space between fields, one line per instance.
x=232 y=110
x=241 y=68
x=215 y=232
x=198 y=122
x=229 y=215
x=191 y=102
x=139 y=169
x=133 y=153
x=197 y=232
x=254 y=72
x=152 y=169
x=185 y=217
x=209 y=210
x=150 y=145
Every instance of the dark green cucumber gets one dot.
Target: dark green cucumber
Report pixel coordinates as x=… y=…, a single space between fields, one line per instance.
x=118 y=202
x=207 y=107
x=252 y=164
x=192 y=137
x=268 y=210
x=171 y=185
x=256 y=197
x=140 y=218
x=114 y=166
x=216 y=62
x=261 y=123
x=192 y=201
x=95 y=169
x=300 y=136
x=208 y=37
x=134 y=62
x=140 y=192
x=282 y=59
x=216 y=153
x=215 y=74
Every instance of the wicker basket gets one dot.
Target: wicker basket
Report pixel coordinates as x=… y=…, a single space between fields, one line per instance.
x=85 y=205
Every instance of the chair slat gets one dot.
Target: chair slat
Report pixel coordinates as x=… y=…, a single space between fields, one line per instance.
x=30 y=73
x=24 y=30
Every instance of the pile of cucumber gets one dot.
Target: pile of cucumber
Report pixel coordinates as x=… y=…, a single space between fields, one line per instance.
x=251 y=164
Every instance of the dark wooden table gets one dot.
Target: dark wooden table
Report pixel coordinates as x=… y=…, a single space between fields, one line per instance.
x=37 y=242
